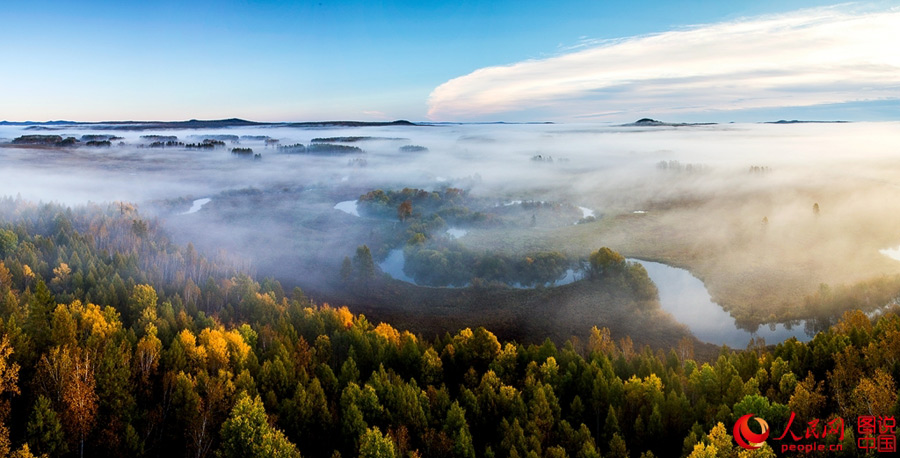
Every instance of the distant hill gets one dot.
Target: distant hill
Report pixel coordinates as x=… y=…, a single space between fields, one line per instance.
x=165 y=125
x=647 y=122
x=486 y=123
x=196 y=124
x=401 y=122
x=36 y=123
x=794 y=121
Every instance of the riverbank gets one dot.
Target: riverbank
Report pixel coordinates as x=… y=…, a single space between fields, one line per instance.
x=680 y=294
x=523 y=315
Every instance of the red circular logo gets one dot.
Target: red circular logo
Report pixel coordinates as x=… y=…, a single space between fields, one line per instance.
x=746 y=438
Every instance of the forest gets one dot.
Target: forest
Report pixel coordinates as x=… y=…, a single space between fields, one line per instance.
x=436 y=259
x=118 y=342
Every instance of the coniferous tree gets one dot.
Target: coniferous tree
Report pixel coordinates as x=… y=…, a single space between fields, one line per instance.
x=346 y=269
x=246 y=432
x=44 y=431
x=375 y=445
x=364 y=266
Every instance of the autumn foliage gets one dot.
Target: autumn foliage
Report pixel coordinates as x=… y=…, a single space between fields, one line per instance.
x=115 y=342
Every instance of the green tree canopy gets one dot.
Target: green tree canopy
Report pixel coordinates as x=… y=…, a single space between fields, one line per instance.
x=606 y=261
x=373 y=444
x=247 y=433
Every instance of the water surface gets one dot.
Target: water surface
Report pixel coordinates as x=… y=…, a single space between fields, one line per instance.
x=687 y=299
x=348 y=206
x=197 y=205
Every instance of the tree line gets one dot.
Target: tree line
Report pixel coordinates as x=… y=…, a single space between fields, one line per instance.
x=116 y=342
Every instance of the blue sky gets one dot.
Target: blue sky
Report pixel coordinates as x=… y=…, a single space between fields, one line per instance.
x=417 y=60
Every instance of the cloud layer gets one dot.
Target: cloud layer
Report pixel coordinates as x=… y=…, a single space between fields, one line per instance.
x=805 y=58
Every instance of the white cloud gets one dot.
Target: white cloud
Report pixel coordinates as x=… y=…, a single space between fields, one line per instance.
x=804 y=58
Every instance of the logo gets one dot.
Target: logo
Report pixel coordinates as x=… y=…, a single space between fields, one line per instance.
x=746 y=438
x=874 y=433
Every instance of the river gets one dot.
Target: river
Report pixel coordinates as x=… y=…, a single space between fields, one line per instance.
x=687 y=299
x=680 y=293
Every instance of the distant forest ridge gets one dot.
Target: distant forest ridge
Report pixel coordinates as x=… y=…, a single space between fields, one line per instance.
x=237 y=122
x=196 y=124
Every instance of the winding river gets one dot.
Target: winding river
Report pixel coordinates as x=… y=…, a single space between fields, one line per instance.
x=680 y=293
x=687 y=299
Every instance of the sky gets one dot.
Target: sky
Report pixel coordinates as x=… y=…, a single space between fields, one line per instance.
x=565 y=61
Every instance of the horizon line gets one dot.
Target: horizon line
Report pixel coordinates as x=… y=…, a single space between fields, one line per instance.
x=404 y=121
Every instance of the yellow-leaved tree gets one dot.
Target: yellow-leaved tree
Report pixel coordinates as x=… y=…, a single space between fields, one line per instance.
x=9 y=379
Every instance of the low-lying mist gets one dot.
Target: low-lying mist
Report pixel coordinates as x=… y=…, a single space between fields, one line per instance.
x=732 y=203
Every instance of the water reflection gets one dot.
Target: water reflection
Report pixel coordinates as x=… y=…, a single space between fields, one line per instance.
x=686 y=298
x=680 y=293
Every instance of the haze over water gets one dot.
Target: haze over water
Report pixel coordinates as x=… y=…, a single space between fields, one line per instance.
x=608 y=171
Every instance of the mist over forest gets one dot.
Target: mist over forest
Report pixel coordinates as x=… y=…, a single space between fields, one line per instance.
x=731 y=203
x=584 y=229
x=631 y=287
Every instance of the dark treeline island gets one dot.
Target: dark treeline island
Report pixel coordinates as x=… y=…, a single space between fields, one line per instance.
x=319 y=148
x=44 y=140
x=353 y=139
x=245 y=153
x=206 y=144
x=116 y=342
x=90 y=137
